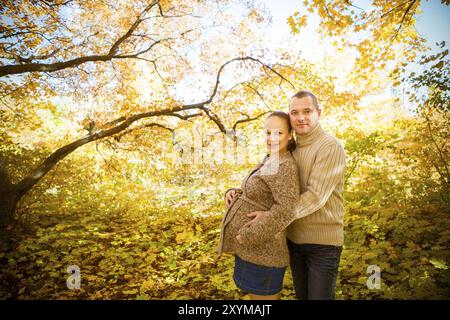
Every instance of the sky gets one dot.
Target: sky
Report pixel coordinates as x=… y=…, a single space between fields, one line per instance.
x=433 y=23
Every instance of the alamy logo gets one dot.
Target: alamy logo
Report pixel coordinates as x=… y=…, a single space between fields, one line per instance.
x=374 y=281
x=74 y=280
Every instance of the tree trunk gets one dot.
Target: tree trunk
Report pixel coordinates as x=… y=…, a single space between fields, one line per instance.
x=8 y=204
x=9 y=198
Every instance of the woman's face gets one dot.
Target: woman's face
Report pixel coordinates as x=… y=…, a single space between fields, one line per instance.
x=277 y=134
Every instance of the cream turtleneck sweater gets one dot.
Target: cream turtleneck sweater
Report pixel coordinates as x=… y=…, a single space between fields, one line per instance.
x=319 y=215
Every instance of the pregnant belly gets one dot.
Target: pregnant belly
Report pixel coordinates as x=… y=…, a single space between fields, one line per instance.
x=240 y=217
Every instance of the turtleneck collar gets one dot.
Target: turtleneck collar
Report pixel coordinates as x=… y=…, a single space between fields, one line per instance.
x=305 y=140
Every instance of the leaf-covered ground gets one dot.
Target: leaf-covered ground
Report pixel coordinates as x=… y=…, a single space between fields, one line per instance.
x=171 y=254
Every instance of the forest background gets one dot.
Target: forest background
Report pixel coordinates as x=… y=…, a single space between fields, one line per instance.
x=122 y=123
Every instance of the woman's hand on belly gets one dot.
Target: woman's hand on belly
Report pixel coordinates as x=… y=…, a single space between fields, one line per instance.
x=256 y=216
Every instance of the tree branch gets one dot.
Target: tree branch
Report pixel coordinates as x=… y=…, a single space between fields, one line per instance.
x=393 y=9
x=331 y=17
x=147 y=125
x=185 y=117
x=403 y=19
x=214 y=118
x=115 y=46
x=112 y=54
x=352 y=5
x=5 y=181
x=56 y=4
x=259 y=95
x=248 y=119
x=122 y=123
x=42 y=57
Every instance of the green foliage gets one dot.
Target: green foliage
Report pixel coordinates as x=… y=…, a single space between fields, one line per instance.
x=396 y=218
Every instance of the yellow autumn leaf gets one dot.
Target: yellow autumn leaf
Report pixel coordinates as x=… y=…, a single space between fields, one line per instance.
x=184 y=236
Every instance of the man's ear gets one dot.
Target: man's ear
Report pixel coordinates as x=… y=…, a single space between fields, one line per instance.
x=319 y=111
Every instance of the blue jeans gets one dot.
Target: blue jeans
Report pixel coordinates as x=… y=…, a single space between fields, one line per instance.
x=314 y=270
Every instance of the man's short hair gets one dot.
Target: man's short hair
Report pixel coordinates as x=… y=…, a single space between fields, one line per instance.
x=304 y=93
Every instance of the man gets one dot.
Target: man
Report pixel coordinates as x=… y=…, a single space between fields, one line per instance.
x=316 y=237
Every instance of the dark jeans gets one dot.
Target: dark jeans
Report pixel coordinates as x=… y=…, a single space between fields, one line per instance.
x=314 y=270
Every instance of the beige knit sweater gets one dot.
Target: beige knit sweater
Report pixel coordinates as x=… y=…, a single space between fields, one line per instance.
x=276 y=193
x=319 y=213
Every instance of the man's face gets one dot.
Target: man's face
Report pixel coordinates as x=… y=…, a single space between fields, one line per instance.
x=304 y=116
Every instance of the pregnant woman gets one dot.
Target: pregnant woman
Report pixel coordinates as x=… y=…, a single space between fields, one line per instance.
x=261 y=252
